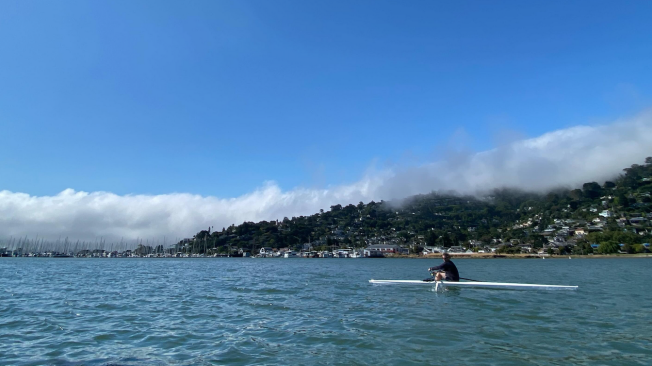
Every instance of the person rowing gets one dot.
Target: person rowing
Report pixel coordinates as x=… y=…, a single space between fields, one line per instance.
x=446 y=271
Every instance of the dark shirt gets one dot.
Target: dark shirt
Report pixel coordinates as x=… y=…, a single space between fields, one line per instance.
x=450 y=269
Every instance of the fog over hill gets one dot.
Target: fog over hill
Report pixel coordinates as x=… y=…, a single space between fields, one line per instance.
x=567 y=157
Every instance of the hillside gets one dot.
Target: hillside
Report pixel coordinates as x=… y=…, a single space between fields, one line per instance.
x=604 y=214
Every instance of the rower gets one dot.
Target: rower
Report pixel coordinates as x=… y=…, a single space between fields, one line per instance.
x=446 y=271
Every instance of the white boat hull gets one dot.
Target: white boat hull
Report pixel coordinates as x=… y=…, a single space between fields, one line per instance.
x=500 y=285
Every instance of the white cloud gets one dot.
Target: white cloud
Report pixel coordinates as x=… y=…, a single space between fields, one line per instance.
x=566 y=157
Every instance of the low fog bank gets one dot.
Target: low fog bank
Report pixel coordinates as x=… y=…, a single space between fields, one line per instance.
x=563 y=158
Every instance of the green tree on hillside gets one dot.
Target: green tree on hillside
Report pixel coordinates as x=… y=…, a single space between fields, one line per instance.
x=609 y=247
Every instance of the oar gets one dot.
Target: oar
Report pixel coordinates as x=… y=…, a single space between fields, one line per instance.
x=468 y=279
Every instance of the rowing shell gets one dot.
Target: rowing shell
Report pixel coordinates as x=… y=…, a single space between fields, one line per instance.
x=502 y=285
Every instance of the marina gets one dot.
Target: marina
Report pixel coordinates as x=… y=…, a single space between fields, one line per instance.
x=31 y=250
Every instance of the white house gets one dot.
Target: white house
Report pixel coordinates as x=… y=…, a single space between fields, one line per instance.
x=267 y=251
x=429 y=250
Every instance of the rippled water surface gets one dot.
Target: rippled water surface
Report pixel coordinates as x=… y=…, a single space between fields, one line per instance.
x=242 y=311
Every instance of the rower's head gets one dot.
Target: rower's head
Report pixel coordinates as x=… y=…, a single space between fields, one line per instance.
x=445 y=256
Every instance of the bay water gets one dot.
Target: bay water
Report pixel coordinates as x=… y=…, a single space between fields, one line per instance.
x=244 y=311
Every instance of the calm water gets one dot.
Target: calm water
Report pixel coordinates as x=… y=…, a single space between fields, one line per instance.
x=241 y=311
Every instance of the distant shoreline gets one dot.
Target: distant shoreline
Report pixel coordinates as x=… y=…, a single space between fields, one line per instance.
x=522 y=256
x=414 y=256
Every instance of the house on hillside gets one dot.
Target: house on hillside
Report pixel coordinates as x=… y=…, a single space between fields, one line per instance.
x=266 y=251
x=476 y=243
x=430 y=250
x=387 y=248
x=638 y=220
x=599 y=221
x=526 y=248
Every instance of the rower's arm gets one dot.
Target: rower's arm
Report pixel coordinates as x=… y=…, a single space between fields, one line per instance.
x=437 y=268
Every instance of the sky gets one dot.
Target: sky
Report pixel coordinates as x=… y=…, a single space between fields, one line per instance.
x=150 y=118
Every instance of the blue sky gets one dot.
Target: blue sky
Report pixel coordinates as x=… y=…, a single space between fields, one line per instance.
x=215 y=98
